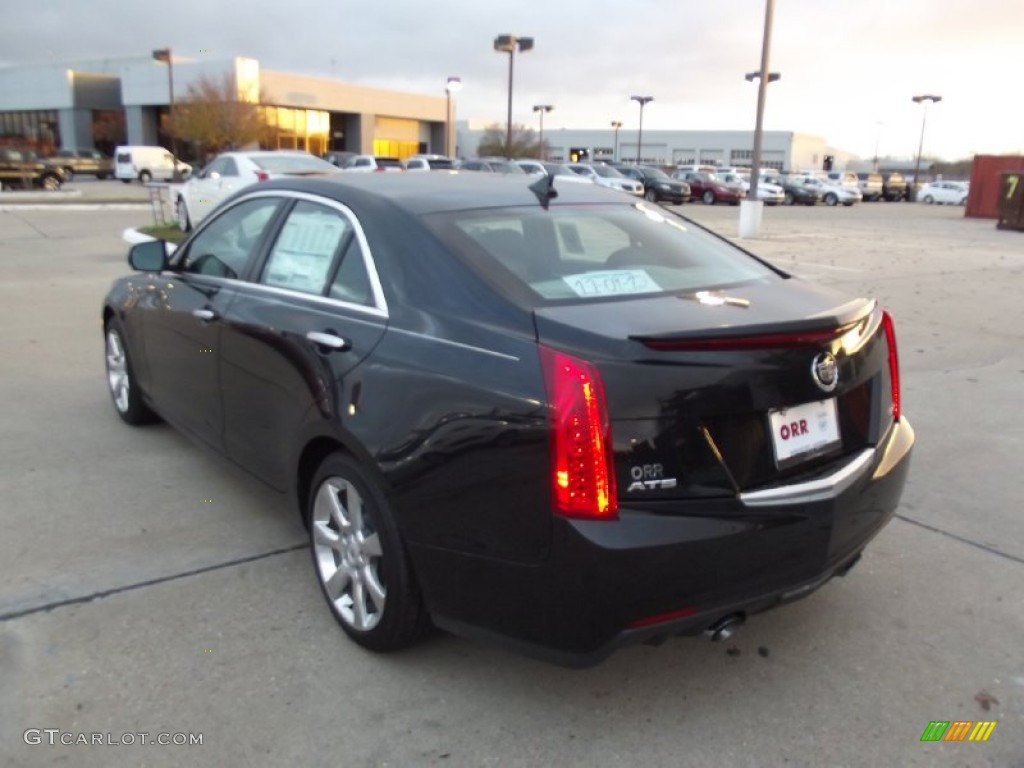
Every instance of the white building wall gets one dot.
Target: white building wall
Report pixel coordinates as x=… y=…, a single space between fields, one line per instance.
x=783 y=149
x=30 y=88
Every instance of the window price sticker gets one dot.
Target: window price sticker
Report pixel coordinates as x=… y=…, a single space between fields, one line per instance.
x=617 y=282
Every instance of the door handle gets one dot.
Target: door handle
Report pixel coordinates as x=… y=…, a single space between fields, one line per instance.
x=204 y=314
x=329 y=340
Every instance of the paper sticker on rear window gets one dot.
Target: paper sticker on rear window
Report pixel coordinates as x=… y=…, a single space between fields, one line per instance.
x=612 y=282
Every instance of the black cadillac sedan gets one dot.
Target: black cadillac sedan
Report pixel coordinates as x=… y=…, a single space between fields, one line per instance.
x=543 y=413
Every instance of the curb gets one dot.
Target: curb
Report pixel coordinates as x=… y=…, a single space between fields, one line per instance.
x=134 y=237
x=10 y=207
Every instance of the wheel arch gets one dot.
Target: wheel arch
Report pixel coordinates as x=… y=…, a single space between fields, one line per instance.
x=312 y=455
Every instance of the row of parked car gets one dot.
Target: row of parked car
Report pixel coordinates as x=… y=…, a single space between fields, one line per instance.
x=230 y=171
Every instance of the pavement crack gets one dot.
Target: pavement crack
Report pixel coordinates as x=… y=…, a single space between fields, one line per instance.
x=34 y=228
x=47 y=607
x=964 y=540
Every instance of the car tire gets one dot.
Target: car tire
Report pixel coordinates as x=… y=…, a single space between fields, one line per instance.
x=651 y=196
x=145 y=177
x=360 y=562
x=69 y=174
x=929 y=199
x=831 y=199
x=102 y=176
x=709 y=197
x=184 y=221
x=124 y=391
x=51 y=183
x=788 y=199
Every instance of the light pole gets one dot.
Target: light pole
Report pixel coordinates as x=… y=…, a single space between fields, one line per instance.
x=762 y=95
x=750 y=209
x=542 y=108
x=616 y=124
x=643 y=101
x=878 y=136
x=925 y=99
x=454 y=85
x=165 y=55
x=508 y=44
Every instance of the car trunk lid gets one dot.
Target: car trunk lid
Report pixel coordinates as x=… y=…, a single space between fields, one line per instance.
x=718 y=392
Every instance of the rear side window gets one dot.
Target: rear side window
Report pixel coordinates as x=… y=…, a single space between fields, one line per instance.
x=318 y=252
x=124 y=157
x=571 y=254
x=305 y=250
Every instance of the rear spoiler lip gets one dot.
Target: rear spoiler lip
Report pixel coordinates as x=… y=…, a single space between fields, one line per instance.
x=805 y=331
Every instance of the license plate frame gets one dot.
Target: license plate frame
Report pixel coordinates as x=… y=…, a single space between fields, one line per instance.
x=802 y=432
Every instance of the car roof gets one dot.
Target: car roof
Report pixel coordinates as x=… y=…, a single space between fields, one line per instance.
x=435 y=193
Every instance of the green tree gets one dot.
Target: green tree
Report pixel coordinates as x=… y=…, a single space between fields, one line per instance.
x=524 y=142
x=214 y=118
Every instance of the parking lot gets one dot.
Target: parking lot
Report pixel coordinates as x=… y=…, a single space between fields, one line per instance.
x=150 y=587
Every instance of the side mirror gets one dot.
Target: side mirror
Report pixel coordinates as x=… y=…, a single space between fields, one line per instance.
x=150 y=256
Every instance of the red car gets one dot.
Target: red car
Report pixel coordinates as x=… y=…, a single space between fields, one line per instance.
x=708 y=187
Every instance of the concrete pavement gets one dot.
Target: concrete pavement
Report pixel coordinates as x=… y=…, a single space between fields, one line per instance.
x=129 y=603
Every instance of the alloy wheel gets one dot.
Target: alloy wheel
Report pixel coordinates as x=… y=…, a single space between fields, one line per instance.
x=117 y=372
x=348 y=554
x=183 y=221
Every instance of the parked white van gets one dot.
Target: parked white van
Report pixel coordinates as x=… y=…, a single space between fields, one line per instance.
x=146 y=164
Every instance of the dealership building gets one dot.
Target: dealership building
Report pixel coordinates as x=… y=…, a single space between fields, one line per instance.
x=107 y=102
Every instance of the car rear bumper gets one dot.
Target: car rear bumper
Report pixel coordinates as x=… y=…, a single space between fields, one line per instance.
x=671 y=568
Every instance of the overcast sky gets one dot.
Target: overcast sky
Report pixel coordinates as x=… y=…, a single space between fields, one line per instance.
x=849 y=67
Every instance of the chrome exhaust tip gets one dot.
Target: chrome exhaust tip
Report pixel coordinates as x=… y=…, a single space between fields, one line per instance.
x=725 y=628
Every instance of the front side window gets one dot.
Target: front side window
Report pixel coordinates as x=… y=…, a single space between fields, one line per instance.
x=225 y=246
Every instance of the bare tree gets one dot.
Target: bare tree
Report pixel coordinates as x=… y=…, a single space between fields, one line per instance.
x=524 y=142
x=214 y=117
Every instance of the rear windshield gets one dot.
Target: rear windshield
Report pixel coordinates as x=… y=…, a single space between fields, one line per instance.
x=440 y=164
x=607 y=172
x=388 y=162
x=291 y=163
x=580 y=253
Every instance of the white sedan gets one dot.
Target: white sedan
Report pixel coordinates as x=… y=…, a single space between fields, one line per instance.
x=230 y=171
x=768 y=193
x=944 y=192
x=832 y=193
x=607 y=176
x=541 y=168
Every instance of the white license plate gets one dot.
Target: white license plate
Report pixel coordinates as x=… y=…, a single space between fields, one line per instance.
x=804 y=431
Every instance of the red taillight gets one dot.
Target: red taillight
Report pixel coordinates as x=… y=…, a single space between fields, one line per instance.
x=262 y=176
x=894 y=363
x=659 y=618
x=583 y=475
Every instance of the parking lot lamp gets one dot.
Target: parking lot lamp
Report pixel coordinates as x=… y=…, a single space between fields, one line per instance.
x=750 y=209
x=454 y=86
x=165 y=55
x=924 y=99
x=642 y=101
x=508 y=44
x=542 y=108
x=616 y=124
